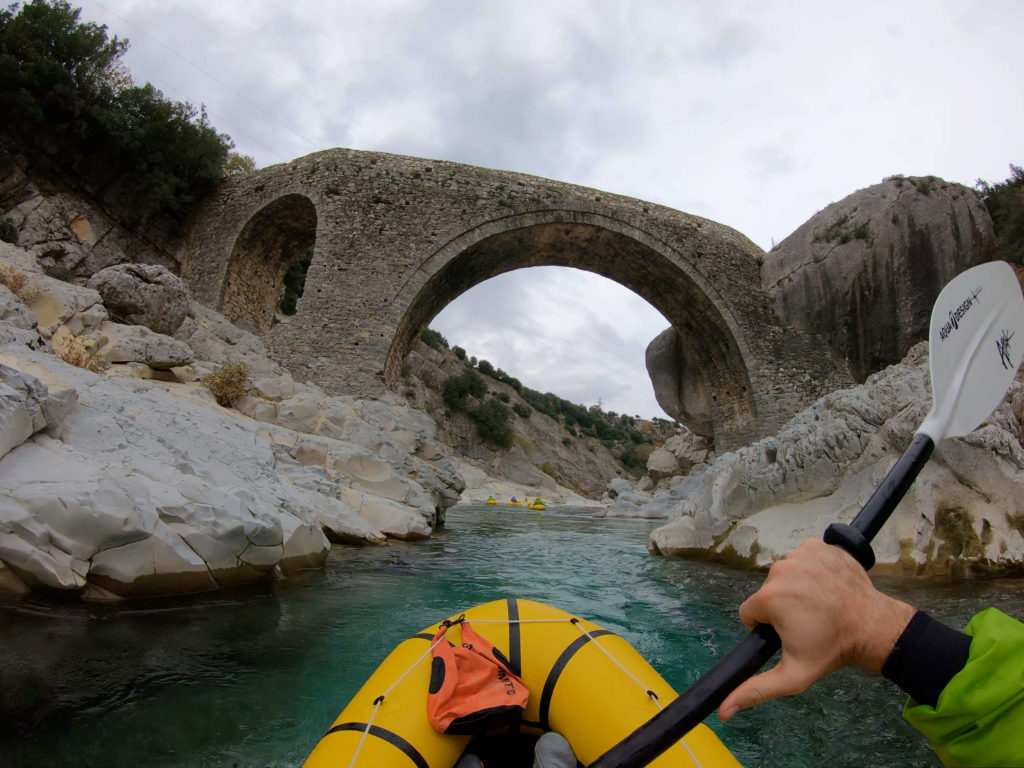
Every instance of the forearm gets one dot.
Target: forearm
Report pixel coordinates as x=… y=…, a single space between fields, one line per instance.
x=977 y=717
x=926 y=657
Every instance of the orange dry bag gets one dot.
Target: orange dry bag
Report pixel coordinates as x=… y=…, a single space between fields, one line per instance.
x=472 y=690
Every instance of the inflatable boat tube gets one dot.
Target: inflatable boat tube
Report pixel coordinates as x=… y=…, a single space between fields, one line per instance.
x=585 y=682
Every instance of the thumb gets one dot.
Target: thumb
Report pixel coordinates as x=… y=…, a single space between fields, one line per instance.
x=781 y=680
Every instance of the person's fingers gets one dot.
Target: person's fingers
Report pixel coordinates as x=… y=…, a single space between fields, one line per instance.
x=756 y=609
x=782 y=680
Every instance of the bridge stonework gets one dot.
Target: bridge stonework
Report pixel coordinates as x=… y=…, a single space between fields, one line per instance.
x=395 y=239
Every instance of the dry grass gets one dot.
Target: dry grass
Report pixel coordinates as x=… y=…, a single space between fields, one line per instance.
x=18 y=283
x=228 y=383
x=76 y=350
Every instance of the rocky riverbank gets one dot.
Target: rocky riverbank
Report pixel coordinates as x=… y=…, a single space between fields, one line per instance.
x=122 y=477
x=963 y=516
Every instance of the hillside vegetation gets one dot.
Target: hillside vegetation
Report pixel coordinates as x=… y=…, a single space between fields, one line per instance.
x=514 y=431
x=1005 y=203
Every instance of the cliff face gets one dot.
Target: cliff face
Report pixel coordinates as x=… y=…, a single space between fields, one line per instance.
x=864 y=272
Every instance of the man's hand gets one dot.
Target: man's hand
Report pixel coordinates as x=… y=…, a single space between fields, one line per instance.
x=828 y=615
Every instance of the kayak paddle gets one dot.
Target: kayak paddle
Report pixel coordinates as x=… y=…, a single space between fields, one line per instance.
x=975 y=343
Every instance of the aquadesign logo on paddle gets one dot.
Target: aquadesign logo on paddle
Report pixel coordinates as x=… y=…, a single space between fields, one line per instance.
x=1003 y=345
x=956 y=315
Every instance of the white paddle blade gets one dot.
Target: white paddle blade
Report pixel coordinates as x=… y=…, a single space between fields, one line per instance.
x=976 y=343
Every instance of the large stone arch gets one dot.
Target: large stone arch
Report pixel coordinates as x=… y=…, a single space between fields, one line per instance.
x=720 y=402
x=398 y=237
x=277 y=236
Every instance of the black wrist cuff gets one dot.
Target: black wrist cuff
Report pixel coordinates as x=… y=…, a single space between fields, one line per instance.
x=926 y=657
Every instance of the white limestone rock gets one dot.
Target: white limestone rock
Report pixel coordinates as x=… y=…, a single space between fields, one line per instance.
x=119 y=487
x=394 y=520
x=143 y=294
x=29 y=404
x=58 y=301
x=662 y=463
x=138 y=344
x=13 y=311
x=962 y=516
x=214 y=340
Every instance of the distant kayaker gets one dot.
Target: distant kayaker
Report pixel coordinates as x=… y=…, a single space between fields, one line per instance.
x=966 y=688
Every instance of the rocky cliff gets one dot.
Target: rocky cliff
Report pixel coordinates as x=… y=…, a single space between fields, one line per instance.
x=864 y=272
x=963 y=516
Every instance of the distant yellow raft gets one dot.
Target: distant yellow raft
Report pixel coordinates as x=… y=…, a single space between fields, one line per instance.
x=575 y=689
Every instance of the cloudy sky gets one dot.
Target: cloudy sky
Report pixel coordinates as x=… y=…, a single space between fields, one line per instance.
x=754 y=114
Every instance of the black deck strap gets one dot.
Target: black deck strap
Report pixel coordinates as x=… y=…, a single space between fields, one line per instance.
x=422 y=636
x=515 y=650
x=926 y=657
x=558 y=667
x=384 y=734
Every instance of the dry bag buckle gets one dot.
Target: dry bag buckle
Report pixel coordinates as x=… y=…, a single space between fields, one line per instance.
x=452 y=622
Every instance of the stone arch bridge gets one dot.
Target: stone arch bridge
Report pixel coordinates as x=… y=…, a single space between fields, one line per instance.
x=395 y=239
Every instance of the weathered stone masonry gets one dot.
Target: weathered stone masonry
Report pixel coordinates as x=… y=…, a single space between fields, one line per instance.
x=398 y=238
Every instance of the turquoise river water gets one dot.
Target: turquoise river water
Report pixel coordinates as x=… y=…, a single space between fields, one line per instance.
x=254 y=678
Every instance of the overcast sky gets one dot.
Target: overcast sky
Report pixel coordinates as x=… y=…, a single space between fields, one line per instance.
x=754 y=114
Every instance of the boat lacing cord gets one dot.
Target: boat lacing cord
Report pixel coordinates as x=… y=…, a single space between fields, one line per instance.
x=450 y=622
x=653 y=696
x=380 y=699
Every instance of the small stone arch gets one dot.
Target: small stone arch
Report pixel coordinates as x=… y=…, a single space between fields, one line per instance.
x=277 y=237
x=718 y=352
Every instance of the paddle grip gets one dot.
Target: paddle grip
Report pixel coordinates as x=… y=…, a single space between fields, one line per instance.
x=702 y=698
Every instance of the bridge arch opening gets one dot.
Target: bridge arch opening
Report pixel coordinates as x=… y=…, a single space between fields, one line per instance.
x=718 y=399
x=269 y=254
x=561 y=330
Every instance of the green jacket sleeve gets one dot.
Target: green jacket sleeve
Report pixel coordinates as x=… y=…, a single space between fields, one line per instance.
x=979 y=717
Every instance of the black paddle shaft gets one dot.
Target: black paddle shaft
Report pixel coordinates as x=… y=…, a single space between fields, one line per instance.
x=702 y=698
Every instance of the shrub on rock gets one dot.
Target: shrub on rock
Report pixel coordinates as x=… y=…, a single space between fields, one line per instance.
x=228 y=383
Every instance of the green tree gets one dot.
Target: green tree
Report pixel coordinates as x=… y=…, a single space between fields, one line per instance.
x=72 y=109
x=456 y=389
x=434 y=339
x=1005 y=203
x=492 y=422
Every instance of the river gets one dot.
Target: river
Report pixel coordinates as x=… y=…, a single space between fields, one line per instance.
x=254 y=677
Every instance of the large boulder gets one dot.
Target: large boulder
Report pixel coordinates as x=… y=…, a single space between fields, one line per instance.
x=864 y=272
x=678 y=386
x=143 y=294
x=962 y=516
x=116 y=343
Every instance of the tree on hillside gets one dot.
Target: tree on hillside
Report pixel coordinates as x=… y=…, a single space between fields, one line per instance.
x=1005 y=203
x=72 y=109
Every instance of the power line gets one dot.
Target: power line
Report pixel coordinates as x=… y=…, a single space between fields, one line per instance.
x=219 y=118
x=262 y=63
x=213 y=77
